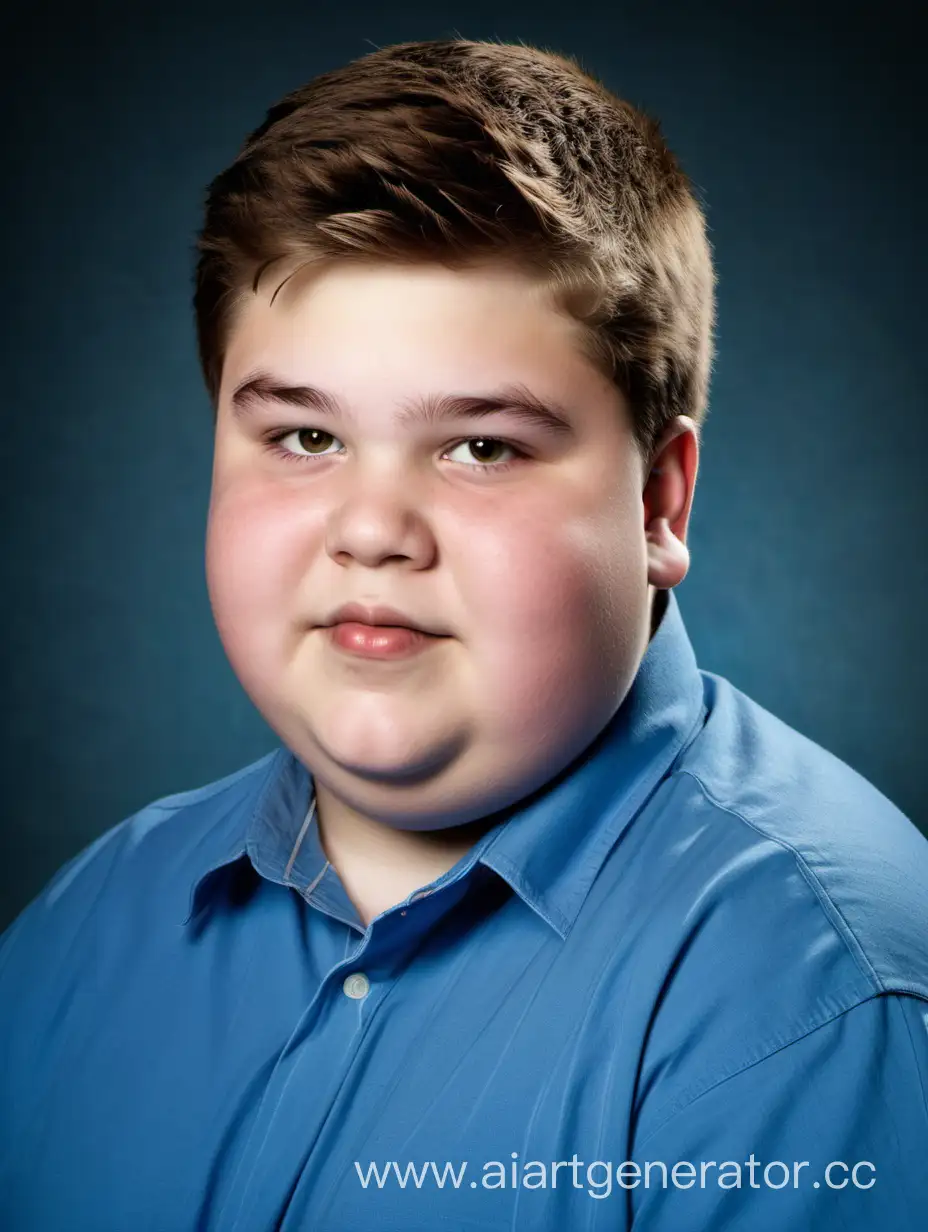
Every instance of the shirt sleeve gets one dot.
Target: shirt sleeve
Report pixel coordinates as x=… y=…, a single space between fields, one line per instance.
x=836 y=1123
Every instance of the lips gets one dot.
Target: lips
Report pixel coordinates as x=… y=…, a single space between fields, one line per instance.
x=379 y=641
x=357 y=613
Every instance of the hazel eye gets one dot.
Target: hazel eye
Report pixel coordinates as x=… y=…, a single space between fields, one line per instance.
x=309 y=439
x=482 y=450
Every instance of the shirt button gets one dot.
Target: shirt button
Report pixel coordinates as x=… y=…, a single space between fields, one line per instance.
x=356 y=986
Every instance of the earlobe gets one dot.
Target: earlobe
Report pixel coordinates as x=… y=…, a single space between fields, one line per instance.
x=667 y=500
x=668 y=556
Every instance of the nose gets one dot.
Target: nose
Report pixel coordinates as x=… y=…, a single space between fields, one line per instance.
x=378 y=524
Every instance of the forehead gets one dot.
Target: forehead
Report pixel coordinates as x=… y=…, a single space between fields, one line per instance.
x=439 y=321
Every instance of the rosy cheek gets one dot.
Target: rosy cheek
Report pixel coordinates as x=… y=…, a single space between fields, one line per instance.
x=530 y=580
x=545 y=604
x=236 y=564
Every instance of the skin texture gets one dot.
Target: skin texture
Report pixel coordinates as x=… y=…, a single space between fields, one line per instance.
x=543 y=575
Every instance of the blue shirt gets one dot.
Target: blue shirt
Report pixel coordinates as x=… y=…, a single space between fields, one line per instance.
x=702 y=945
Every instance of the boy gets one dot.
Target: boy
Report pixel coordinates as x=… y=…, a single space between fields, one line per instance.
x=528 y=923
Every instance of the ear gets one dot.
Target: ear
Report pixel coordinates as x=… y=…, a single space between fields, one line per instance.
x=667 y=500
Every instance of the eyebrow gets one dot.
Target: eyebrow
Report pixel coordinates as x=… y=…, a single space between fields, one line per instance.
x=515 y=400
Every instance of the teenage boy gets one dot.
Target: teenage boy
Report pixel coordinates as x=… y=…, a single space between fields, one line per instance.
x=523 y=893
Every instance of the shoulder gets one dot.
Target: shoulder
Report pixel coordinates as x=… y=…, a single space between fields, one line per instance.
x=108 y=918
x=790 y=892
x=143 y=854
x=860 y=857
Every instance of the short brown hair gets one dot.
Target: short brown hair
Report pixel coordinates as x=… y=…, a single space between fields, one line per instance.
x=454 y=151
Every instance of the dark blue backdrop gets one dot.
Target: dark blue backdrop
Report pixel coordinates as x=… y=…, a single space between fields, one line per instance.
x=802 y=128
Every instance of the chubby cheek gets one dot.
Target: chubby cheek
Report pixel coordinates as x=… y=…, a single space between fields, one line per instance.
x=253 y=577
x=558 y=613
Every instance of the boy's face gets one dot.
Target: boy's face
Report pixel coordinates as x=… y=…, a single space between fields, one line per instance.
x=538 y=573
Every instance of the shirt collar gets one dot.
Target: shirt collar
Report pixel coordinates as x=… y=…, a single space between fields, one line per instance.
x=549 y=850
x=268 y=827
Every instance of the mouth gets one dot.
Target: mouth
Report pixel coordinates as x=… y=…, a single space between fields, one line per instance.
x=379 y=632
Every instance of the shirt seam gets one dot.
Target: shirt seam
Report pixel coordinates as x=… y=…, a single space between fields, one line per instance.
x=918 y=1066
x=687 y=1098
x=829 y=907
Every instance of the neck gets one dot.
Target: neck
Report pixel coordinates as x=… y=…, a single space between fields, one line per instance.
x=380 y=866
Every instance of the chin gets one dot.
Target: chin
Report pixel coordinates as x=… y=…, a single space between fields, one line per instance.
x=381 y=755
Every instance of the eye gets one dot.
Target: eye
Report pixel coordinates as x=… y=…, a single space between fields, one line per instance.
x=311 y=441
x=482 y=446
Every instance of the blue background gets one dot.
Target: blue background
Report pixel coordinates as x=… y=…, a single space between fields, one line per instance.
x=803 y=129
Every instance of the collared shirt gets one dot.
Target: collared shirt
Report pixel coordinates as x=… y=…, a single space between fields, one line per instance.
x=684 y=986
